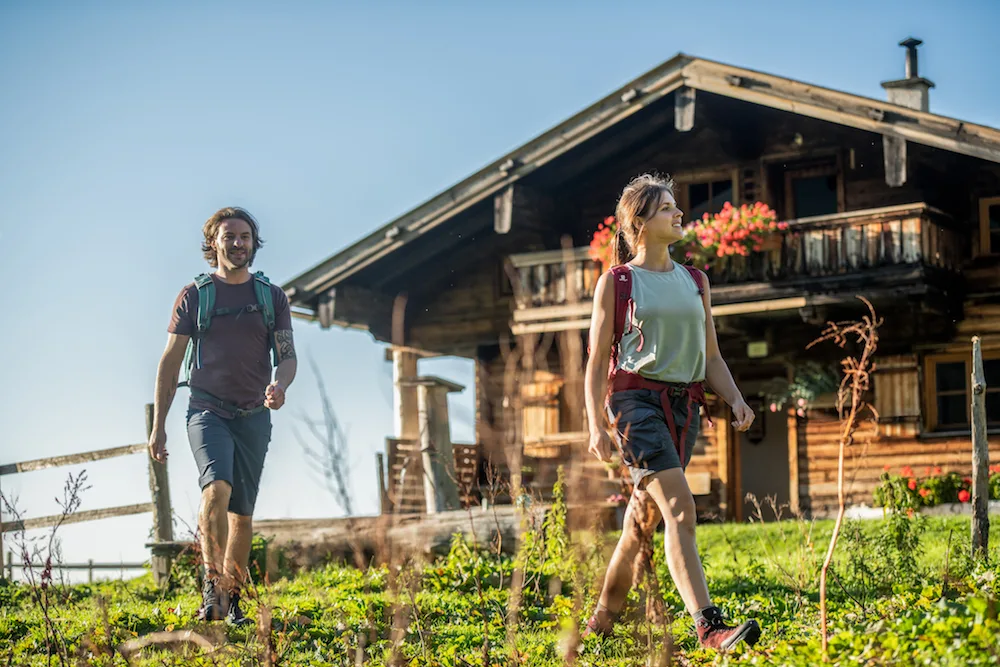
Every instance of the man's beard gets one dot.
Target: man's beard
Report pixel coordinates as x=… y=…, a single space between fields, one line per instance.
x=238 y=258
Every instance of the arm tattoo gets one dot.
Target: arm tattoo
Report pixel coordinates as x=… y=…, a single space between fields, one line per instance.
x=283 y=341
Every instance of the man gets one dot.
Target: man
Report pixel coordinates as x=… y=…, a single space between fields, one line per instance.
x=227 y=344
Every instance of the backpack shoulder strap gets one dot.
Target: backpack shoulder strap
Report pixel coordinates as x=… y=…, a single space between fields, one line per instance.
x=265 y=299
x=697 y=275
x=622 y=277
x=203 y=319
x=206 y=302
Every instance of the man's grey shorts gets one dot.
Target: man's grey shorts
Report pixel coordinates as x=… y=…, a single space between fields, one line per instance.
x=648 y=446
x=230 y=450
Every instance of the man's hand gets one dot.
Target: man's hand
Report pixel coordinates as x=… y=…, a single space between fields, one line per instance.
x=274 y=395
x=744 y=415
x=158 y=445
x=600 y=445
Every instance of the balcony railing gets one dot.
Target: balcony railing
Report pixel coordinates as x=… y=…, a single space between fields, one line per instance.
x=830 y=245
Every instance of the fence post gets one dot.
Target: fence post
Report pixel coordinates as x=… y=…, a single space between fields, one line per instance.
x=10 y=566
x=90 y=570
x=163 y=529
x=1 y=543
x=383 y=497
x=980 y=455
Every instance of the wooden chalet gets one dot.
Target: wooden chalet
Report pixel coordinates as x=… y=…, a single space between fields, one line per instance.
x=884 y=199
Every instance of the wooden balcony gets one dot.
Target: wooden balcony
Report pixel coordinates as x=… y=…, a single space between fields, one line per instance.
x=906 y=245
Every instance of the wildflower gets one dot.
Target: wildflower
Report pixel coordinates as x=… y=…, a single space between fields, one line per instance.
x=964 y=496
x=924 y=492
x=912 y=484
x=906 y=471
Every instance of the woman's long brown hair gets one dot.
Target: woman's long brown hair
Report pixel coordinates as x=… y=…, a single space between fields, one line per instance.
x=637 y=204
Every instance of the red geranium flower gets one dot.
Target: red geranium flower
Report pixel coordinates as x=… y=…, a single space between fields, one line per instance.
x=964 y=496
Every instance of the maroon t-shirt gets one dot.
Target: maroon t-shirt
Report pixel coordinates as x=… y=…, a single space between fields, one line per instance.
x=235 y=353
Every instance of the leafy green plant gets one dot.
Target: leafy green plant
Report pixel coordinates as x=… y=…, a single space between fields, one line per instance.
x=906 y=491
x=811 y=379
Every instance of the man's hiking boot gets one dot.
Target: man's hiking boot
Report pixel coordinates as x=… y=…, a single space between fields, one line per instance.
x=714 y=633
x=211 y=603
x=235 y=615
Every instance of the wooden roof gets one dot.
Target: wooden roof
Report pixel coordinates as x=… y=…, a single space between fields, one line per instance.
x=681 y=71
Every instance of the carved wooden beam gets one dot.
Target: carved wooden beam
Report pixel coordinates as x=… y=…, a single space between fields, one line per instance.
x=523 y=207
x=358 y=307
x=684 y=109
x=894 y=150
x=503 y=210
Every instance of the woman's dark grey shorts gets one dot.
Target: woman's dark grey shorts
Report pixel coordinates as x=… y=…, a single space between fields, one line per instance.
x=230 y=450
x=648 y=447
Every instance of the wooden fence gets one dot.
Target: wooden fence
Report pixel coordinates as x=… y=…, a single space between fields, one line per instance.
x=159 y=505
x=89 y=566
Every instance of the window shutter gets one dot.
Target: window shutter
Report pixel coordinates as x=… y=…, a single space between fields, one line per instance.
x=897 y=395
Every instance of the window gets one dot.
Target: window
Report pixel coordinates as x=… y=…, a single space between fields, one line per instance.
x=989 y=225
x=707 y=192
x=948 y=383
x=708 y=197
x=813 y=191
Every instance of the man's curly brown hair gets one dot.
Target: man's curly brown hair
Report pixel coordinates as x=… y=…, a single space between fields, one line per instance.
x=211 y=228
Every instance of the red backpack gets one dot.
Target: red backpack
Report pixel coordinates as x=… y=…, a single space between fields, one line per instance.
x=625 y=306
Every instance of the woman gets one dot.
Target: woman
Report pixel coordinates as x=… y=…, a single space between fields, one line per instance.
x=668 y=346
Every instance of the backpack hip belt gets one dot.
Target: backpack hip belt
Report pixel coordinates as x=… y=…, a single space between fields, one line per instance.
x=695 y=393
x=228 y=407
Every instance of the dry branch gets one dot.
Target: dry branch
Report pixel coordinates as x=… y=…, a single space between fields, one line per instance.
x=851 y=405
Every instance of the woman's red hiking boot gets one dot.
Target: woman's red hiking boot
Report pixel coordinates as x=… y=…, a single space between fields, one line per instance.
x=600 y=623
x=714 y=633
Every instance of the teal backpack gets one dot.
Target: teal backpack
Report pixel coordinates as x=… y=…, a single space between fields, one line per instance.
x=207 y=310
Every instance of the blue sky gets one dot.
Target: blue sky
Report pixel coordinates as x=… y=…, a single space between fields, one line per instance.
x=122 y=127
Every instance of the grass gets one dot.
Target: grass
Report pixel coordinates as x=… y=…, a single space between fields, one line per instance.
x=904 y=592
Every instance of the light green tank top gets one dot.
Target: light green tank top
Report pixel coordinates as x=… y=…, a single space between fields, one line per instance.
x=668 y=323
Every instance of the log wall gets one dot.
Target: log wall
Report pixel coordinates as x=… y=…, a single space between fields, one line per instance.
x=818 y=451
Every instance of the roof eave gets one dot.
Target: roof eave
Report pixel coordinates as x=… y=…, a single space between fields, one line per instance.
x=881 y=117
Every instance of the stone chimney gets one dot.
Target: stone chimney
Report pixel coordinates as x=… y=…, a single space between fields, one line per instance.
x=912 y=91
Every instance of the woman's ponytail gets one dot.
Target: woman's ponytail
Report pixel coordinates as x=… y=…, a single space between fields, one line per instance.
x=621 y=251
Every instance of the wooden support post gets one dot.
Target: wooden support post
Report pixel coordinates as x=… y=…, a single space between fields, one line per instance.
x=793 y=461
x=404 y=394
x=980 y=456
x=163 y=528
x=436 y=449
x=571 y=351
x=90 y=571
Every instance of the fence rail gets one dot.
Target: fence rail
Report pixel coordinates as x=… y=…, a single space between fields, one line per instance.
x=159 y=505
x=89 y=566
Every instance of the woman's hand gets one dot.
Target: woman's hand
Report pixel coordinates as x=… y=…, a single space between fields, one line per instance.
x=600 y=445
x=744 y=415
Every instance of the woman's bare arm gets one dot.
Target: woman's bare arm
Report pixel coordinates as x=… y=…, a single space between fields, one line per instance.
x=717 y=371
